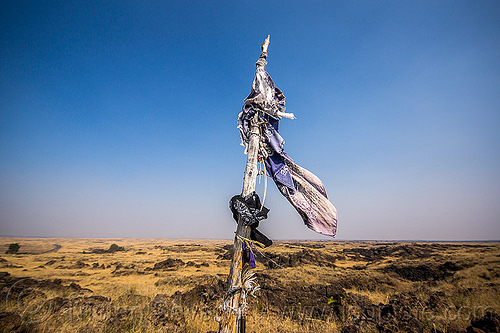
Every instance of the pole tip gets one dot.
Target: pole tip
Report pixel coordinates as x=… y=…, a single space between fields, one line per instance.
x=266 y=43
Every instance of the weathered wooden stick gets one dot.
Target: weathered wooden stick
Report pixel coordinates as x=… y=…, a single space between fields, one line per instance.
x=233 y=319
x=230 y=319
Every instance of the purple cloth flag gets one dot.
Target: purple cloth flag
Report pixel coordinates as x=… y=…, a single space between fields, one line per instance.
x=301 y=187
x=310 y=200
x=251 y=256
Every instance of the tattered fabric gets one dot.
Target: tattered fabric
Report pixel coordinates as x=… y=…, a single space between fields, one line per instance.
x=310 y=200
x=248 y=209
x=251 y=212
x=248 y=255
x=301 y=187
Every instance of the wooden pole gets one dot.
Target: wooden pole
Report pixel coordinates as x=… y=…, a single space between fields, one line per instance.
x=233 y=317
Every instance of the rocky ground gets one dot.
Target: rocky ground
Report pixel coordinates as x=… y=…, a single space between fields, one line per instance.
x=158 y=286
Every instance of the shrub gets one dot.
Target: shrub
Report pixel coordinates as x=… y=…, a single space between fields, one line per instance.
x=114 y=248
x=13 y=248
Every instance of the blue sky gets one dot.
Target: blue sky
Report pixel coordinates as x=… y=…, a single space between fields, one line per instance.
x=118 y=118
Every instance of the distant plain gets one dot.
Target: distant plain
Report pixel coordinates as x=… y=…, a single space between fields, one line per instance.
x=158 y=285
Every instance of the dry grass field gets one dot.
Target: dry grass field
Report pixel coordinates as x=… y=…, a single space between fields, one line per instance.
x=157 y=285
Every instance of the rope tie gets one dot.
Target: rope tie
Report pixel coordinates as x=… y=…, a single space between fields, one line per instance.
x=271 y=260
x=251 y=241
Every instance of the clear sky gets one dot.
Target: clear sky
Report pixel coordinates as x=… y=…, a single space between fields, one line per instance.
x=118 y=118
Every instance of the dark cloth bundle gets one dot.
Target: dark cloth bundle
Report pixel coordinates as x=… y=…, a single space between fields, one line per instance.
x=301 y=187
x=250 y=211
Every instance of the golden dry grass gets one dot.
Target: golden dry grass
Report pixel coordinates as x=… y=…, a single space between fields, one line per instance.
x=442 y=286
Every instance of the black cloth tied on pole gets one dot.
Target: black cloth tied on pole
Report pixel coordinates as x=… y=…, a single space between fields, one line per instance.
x=250 y=211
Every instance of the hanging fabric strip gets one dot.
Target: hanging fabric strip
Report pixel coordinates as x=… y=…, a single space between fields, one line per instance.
x=248 y=254
x=301 y=187
x=310 y=200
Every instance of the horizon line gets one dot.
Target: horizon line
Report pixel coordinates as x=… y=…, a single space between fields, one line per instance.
x=281 y=240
